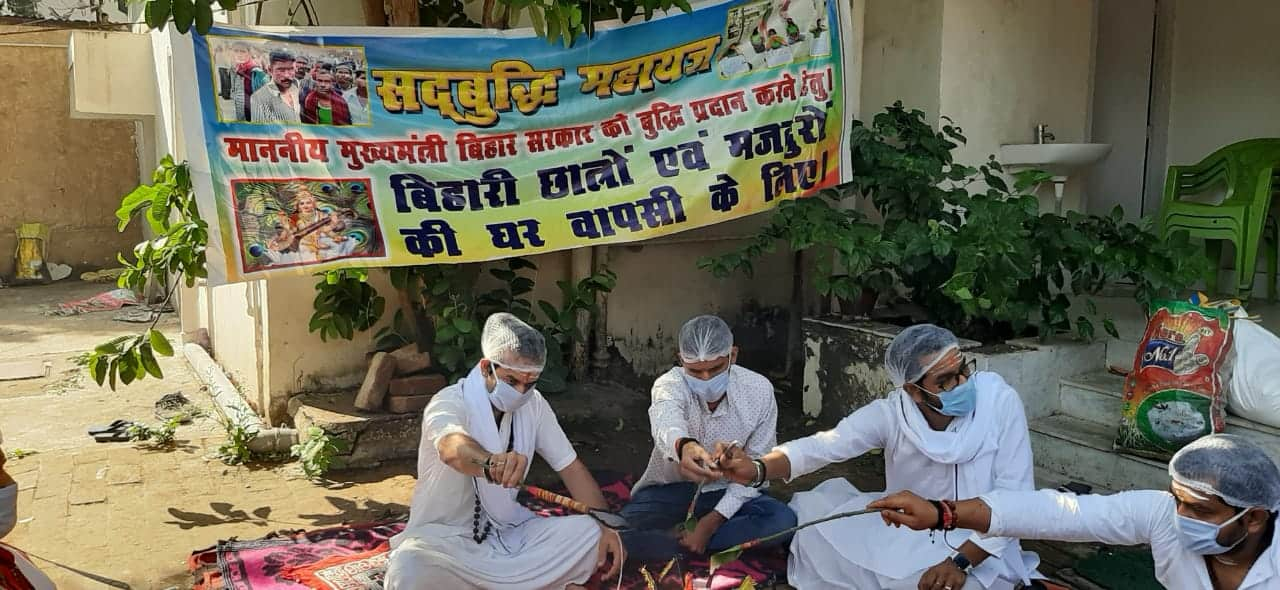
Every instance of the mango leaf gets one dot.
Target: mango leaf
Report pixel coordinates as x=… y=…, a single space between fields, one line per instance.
x=204 y=15
x=98 y=368
x=112 y=346
x=539 y=24
x=149 y=362
x=156 y=15
x=463 y=325
x=159 y=343
x=184 y=13
x=139 y=197
x=228 y=4
x=724 y=558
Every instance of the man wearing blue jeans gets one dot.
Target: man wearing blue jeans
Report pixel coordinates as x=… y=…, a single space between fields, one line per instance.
x=707 y=402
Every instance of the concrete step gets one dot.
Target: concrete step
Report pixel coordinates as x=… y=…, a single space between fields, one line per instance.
x=1081 y=450
x=1052 y=480
x=373 y=438
x=1096 y=397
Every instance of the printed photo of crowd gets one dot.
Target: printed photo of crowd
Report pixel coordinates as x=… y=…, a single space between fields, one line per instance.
x=268 y=81
x=773 y=33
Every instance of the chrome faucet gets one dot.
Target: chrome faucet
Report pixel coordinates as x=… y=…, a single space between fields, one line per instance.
x=1043 y=135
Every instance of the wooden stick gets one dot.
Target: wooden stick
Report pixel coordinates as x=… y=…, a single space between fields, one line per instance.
x=555 y=498
x=755 y=542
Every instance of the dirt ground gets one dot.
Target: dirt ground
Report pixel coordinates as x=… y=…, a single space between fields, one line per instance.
x=124 y=510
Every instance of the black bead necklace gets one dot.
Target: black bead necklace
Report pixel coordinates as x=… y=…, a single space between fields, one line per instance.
x=476 y=533
x=475 y=524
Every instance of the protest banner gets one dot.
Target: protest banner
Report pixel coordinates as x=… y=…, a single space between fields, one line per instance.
x=321 y=148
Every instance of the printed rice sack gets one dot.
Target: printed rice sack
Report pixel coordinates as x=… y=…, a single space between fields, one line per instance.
x=1175 y=393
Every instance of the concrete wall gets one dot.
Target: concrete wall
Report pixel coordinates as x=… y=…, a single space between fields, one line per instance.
x=1226 y=75
x=1121 y=96
x=105 y=77
x=660 y=287
x=844 y=367
x=235 y=319
x=1009 y=65
x=902 y=55
x=68 y=174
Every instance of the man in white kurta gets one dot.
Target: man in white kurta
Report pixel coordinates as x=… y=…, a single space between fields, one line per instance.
x=709 y=399
x=465 y=528
x=982 y=446
x=1215 y=529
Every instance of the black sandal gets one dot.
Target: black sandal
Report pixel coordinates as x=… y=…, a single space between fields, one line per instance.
x=117 y=426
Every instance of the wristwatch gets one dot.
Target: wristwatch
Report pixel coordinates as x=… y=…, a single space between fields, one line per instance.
x=962 y=562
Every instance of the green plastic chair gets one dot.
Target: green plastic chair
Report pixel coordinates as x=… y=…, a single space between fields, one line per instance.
x=1248 y=172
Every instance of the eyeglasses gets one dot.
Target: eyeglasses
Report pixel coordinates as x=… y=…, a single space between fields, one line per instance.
x=951 y=380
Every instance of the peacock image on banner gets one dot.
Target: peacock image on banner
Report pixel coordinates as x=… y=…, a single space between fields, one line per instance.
x=303 y=221
x=323 y=148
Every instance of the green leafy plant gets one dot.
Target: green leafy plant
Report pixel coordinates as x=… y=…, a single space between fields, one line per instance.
x=964 y=244
x=21 y=453
x=160 y=435
x=453 y=307
x=185 y=13
x=345 y=303
x=235 y=450
x=178 y=249
x=316 y=453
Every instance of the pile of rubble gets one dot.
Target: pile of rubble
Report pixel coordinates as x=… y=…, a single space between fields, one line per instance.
x=400 y=382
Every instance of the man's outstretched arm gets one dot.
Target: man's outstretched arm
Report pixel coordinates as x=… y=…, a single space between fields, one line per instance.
x=1127 y=518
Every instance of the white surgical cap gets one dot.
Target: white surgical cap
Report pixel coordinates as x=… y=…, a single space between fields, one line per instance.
x=513 y=344
x=1230 y=467
x=916 y=350
x=705 y=338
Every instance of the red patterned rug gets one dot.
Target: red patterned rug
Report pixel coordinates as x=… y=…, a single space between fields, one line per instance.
x=355 y=557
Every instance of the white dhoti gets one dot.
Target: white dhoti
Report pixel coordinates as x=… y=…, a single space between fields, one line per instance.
x=436 y=551
x=985 y=450
x=860 y=552
x=551 y=553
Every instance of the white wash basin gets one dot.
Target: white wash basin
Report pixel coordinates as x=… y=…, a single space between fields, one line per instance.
x=1055 y=158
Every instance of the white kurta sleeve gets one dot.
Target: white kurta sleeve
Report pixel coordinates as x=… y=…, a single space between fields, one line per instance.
x=1014 y=466
x=762 y=439
x=856 y=434
x=1126 y=518
x=551 y=442
x=666 y=416
x=444 y=415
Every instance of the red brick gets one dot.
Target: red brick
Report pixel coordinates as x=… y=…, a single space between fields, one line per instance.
x=409 y=360
x=417 y=385
x=381 y=370
x=407 y=404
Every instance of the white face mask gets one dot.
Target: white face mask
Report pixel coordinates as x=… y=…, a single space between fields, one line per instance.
x=709 y=390
x=8 y=509
x=505 y=397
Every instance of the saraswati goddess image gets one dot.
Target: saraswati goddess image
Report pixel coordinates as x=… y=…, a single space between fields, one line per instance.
x=304 y=222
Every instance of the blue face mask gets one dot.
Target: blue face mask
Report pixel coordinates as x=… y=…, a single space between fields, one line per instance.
x=709 y=390
x=8 y=509
x=960 y=400
x=1201 y=537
